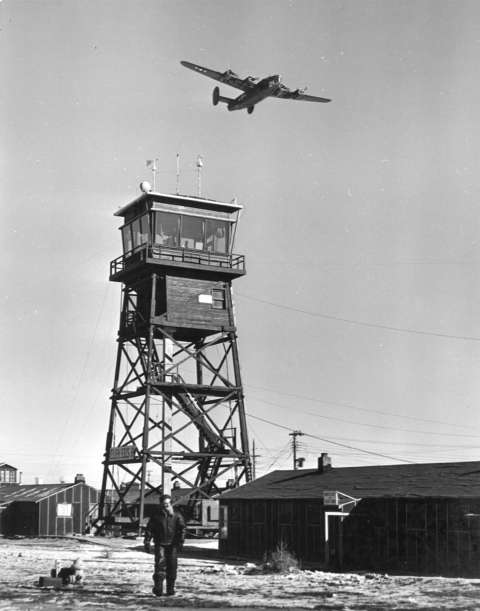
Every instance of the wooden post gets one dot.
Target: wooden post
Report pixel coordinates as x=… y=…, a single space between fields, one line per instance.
x=167 y=421
x=146 y=424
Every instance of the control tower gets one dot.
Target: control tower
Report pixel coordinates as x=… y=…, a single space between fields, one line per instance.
x=177 y=414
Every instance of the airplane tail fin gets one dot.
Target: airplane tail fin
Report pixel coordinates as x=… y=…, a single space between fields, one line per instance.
x=216 y=97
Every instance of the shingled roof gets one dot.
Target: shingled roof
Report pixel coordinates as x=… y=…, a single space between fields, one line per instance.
x=450 y=479
x=31 y=493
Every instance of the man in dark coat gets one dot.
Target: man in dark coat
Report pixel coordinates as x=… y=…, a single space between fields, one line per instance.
x=167 y=529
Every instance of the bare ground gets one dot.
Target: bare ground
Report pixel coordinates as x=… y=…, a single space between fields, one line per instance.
x=119 y=576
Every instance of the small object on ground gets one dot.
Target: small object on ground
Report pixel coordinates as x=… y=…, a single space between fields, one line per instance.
x=45 y=582
x=73 y=573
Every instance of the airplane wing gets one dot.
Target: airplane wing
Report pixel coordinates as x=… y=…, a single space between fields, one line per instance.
x=228 y=77
x=297 y=94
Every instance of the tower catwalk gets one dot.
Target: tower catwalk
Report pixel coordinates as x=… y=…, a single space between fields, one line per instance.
x=177 y=414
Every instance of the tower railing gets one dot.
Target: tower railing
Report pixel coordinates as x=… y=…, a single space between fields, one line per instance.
x=149 y=253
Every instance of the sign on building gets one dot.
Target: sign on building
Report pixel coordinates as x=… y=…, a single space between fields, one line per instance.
x=122 y=453
x=330 y=497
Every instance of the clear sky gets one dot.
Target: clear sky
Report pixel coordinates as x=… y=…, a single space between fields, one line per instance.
x=359 y=317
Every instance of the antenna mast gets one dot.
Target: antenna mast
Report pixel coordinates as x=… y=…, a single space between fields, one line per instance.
x=177 y=191
x=153 y=164
x=199 y=175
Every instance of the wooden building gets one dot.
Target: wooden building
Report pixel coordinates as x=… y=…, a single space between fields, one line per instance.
x=414 y=518
x=8 y=474
x=46 y=509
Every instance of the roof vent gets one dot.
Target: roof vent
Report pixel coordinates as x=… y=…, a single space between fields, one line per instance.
x=324 y=462
x=80 y=478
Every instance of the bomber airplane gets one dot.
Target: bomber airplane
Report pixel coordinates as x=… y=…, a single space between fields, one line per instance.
x=254 y=89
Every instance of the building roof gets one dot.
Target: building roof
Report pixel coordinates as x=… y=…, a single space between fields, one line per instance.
x=188 y=200
x=3 y=465
x=455 y=480
x=32 y=492
x=7 y=489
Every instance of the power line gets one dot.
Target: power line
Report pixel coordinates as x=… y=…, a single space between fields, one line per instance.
x=335 y=443
x=363 y=409
x=80 y=379
x=361 y=323
x=374 y=426
x=277 y=456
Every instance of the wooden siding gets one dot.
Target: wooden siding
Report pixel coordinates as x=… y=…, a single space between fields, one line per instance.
x=257 y=527
x=20 y=519
x=184 y=309
x=424 y=536
x=40 y=518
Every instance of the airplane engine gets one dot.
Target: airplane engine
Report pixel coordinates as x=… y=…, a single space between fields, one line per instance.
x=216 y=96
x=298 y=92
x=250 y=109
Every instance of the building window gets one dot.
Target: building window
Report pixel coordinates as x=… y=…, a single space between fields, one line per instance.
x=64 y=510
x=191 y=232
x=8 y=476
x=135 y=233
x=166 y=229
x=191 y=235
x=216 y=236
x=218 y=299
x=212 y=512
x=127 y=238
x=140 y=231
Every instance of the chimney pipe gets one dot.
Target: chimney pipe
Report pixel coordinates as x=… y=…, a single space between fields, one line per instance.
x=324 y=462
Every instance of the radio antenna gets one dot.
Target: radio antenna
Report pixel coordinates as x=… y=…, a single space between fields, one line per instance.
x=153 y=164
x=199 y=175
x=178 y=175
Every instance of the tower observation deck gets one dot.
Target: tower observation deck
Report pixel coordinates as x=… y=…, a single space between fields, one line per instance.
x=177 y=415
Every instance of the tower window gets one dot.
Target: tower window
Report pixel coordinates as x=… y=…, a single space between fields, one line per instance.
x=166 y=228
x=216 y=236
x=218 y=296
x=135 y=233
x=140 y=231
x=127 y=238
x=192 y=233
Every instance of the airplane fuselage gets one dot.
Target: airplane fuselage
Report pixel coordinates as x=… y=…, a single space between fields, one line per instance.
x=263 y=89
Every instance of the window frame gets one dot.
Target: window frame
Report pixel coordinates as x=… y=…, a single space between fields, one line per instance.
x=219 y=301
x=67 y=510
x=155 y=228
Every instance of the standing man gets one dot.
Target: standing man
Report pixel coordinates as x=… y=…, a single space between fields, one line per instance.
x=167 y=529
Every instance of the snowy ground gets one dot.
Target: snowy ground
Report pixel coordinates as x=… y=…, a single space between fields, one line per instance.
x=119 y=576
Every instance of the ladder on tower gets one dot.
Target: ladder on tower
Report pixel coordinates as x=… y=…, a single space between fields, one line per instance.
x=216 y=448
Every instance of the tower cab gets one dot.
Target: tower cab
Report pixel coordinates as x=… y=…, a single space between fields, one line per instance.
x=177 y=231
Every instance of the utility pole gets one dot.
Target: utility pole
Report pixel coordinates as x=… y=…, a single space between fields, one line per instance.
x=294 y=435
x=254 y=461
